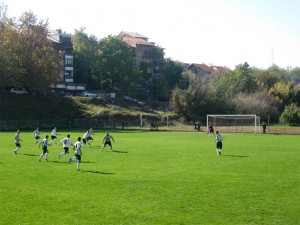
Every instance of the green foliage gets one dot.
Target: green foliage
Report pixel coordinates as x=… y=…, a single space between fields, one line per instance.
x=295 y=75
x=259 y=103
x=198 y=101
x=162 y=89
x=291 y=114
x=27 y=57
x=86 y=53
x=266 y=79
x=285 y=93
x=240 y=80
x=173 y=71
x=152 y=178
x=116 y=65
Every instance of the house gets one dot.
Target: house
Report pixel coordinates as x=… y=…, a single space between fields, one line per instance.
x=144 y=52
x=199 y=70
x=203 y=71
x=221 y=69
x=63 y=42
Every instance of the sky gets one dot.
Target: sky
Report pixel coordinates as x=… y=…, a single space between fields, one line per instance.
x=214 y=32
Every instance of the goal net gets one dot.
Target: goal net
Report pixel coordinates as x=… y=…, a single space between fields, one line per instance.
x=234 y=123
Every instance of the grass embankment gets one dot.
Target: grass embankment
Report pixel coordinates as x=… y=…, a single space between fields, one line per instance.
x=53 y=107
x=153 y=178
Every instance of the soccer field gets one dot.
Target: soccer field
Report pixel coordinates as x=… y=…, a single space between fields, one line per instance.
x=157 y=177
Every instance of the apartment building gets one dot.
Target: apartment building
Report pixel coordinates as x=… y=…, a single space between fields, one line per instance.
x=144 y=52
x=63 y=42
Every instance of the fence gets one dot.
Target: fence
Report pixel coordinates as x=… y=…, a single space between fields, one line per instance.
x=134 y=123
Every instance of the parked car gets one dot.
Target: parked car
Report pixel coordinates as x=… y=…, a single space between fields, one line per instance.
x=61 y=93
x=19 y=91
x=89 y=94
x=127 y=97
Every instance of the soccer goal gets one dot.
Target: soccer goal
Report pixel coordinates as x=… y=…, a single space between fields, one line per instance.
x=234 y=123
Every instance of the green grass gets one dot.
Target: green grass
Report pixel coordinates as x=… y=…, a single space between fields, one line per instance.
x=153 y=178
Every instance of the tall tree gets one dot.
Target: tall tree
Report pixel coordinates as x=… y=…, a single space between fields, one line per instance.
x=116 y=66
x=86 y=52
x=241 y=80
x=266 y=79
x=295 y=74
x=173 y=71
x=28 y=58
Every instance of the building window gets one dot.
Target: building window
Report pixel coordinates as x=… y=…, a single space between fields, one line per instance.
x=68 y=61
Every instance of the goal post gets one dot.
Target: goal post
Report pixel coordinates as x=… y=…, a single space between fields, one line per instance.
x=237 y=123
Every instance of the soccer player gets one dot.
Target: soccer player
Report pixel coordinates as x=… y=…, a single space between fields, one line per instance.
x=264 y=126
x=17 y=142
x=211 y=129
x=66 y=143
x=53 y=136
x=87 y=137
x=45 y=152
x=78 y=153
x=106 y=141
x=219 y=144
x=36 y=135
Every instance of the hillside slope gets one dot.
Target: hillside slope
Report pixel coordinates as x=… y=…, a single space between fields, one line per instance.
x=13 y=107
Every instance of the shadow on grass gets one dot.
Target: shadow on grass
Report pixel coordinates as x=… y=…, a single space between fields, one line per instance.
x=30 y=154
x=119 y=151
x=240 y=156
x=55 y=161
x=98 y=172
x=86 y=162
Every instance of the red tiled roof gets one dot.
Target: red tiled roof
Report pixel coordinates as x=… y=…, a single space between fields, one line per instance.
x=204 y=67
x=136 y=41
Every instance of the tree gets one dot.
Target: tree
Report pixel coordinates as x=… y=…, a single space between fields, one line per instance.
x=162 y=89
x=86 y=53
x=295 y=74
x=260 y=103
x=285 y=93
x=28 y=58
x=241 y=80
x=173 y=71
x=281 y=73
x=198 y=101
x=266 y=79
x=41 y=61
x=291 y=114
x=115 y=65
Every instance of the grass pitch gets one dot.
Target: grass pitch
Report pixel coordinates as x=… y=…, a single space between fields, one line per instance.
x=153 y=178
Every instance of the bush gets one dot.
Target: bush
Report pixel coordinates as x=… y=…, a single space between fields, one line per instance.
x=291 y=114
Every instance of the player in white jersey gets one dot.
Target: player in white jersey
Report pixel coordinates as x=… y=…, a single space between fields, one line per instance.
x=17 y=142
x=53 y=136
x=107 y=141
x=78 y=153
x=44 y=144
x=66 y=144
x=219 y=144
x=87 y=137
x=36 y=135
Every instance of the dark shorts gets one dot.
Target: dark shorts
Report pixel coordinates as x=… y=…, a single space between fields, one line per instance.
x=53 y=137
x=90 y=138
x=66 y=149
x=37 y=137
x=45 y=150
x=18 y=145
x=78 y=157
x=219 y=145
x=86 y=139
x=107 y=143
